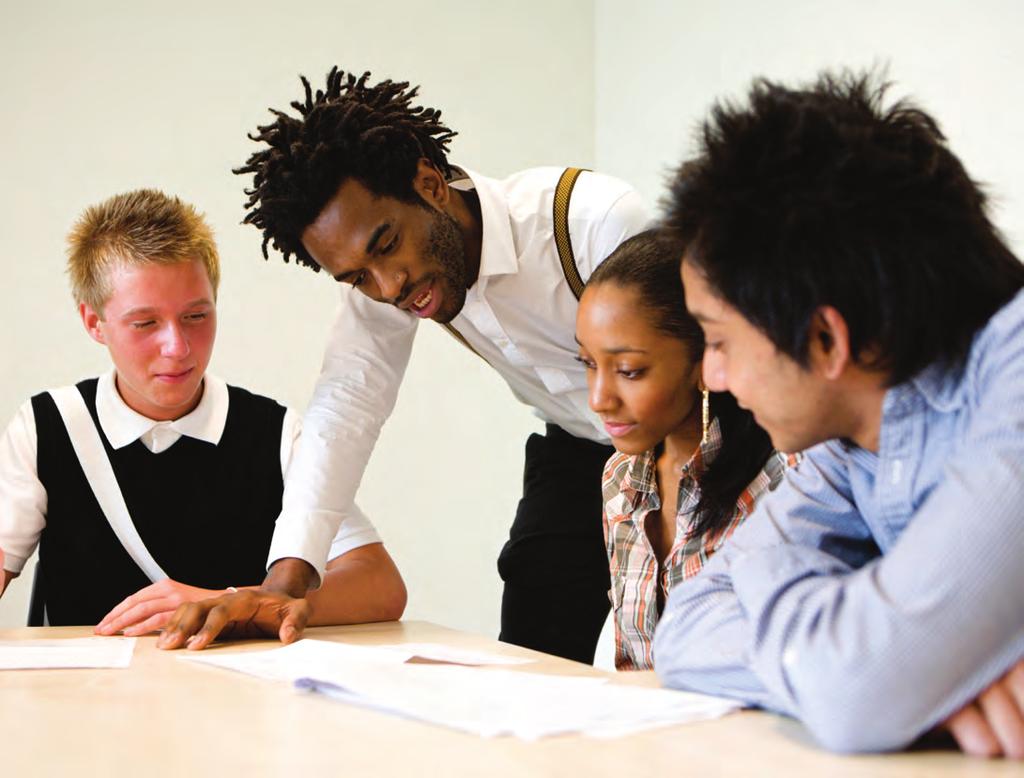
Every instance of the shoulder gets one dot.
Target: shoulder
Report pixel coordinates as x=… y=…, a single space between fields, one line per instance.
x=594 y=194
x=998 y=348
x=41 y=406
x=247 y=404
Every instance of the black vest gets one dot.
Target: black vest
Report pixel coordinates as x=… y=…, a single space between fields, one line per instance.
x=206 y=513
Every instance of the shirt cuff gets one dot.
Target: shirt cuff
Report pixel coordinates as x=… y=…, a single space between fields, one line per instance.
x=311 y=537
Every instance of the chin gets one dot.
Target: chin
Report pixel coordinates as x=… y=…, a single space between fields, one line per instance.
x=631 y=448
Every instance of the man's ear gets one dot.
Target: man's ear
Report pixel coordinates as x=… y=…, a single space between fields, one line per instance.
x=431 y=185
x=91 y=319
x=829 y=342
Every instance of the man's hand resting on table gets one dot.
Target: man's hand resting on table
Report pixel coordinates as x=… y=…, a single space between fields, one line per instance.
x=251 y=613
x=275 y=609
x=151 y=608
x=993 y=724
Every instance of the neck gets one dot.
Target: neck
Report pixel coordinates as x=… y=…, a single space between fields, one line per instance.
x=680 y=444
x=868 y=425
x=864 y=403
x=465 y=209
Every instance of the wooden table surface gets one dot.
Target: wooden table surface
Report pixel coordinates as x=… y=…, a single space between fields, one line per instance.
x=163 y=716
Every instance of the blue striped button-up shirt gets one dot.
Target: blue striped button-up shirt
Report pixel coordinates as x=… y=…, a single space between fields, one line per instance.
x=873 y=595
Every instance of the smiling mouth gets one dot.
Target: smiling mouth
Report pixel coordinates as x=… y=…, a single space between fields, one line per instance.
x=424 y=299
x=426 y=302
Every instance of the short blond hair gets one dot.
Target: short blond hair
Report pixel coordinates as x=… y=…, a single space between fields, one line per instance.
x=135 y=228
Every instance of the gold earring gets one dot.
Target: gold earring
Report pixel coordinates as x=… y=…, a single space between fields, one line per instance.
x=705 y=412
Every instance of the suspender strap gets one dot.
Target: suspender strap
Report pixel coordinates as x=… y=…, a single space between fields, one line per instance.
x=459 y=337
x=85 y=439
x=563 y=191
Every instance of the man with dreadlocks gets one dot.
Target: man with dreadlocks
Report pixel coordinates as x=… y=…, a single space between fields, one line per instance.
x=359 y=184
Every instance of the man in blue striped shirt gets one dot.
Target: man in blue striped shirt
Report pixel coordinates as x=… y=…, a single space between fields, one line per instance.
x=855 y=296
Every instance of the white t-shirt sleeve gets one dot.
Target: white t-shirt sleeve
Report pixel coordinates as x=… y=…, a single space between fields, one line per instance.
x=23 y=499
x=364 y=363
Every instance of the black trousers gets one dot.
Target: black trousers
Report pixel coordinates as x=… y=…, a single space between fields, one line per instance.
x=554 y=565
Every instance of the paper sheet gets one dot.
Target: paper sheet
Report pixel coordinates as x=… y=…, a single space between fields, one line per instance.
x=436 y=652
x=66 y=653
x=483 y=701
x=316 y=658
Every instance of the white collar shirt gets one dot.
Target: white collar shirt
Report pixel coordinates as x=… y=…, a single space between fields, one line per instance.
x=520 y=316
x=123 y=426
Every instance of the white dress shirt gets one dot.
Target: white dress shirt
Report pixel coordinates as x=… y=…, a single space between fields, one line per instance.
x=23 y=498
x=520 y=316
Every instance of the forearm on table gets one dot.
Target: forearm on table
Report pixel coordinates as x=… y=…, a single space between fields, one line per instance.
x=872 y=659
x=361 y=585
x=701 y=643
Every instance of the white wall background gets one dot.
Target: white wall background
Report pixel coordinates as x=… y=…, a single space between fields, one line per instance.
x=661 y=63
x=105 y=96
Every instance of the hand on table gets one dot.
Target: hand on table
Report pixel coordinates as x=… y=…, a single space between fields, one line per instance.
x=993 y=724
x=249 y=613
x=150 y=609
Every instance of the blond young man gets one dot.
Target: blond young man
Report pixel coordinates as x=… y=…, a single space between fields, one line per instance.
x=179 y=455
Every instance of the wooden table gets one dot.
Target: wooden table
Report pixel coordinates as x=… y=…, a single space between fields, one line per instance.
x=163 y=716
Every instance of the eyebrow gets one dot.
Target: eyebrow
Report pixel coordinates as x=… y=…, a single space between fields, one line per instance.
x=616 y=349
x=371 y=244
x=624 y=350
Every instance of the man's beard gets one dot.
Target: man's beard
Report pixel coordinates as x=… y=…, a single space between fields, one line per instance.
x=447 y=249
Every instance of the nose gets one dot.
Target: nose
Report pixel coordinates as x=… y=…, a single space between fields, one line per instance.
x=714 y=372
x=390 y=283
x=175 y=342
x=601 y=397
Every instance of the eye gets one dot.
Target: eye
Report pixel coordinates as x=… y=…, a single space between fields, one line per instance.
x=713 y=345
x=141 y=325
x=586 y=362
x=359 y=278
x=195 y=318
x=631 y=375
x=391 y=245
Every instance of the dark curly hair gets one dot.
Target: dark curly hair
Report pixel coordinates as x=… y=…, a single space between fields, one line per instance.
x=822 y=195
x=649 y=264
x=350 y=129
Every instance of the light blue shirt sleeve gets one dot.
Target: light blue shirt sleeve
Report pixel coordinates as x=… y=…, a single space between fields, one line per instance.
x=799 y=615
x=706 y=638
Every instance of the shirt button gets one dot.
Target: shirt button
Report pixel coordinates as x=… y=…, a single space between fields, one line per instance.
x=897 y=471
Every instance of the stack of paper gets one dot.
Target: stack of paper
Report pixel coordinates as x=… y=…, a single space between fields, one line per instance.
x=486 y=702
x=67 y=652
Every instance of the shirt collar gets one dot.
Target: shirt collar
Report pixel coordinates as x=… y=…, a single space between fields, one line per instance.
x=640 y=481
x=942 y=387
x=123 y=426
x=497 y=250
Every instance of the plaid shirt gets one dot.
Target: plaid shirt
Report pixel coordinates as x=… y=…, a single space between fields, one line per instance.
x=630 y=488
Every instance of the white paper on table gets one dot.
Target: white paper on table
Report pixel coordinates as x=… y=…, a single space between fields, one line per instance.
x=59 y=653
x=485 y=702
x=526 y=705
x=316 y=658
x=300 y=659
x=436 y=652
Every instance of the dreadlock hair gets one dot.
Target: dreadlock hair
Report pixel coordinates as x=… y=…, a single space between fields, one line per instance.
x=823 y=195
x=649 y=264
x=349 y=129
x=141 y=227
